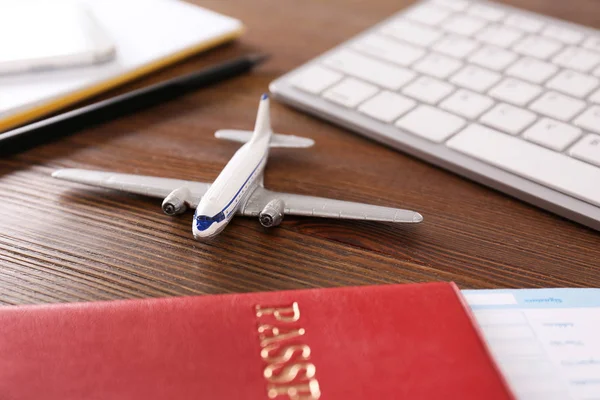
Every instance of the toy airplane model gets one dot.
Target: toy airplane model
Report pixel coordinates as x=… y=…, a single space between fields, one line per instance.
x=239 y=187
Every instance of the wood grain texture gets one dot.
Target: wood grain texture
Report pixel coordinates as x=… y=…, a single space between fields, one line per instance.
x=62 y=242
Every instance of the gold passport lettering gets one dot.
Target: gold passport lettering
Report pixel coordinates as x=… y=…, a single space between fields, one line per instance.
x=274 y=370
x=283 y=314
x=303 y=391
x=289 y=372
x=285 y=353
x=270 y=334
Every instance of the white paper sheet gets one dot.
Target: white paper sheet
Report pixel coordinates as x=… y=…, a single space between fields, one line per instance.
x=545 y=341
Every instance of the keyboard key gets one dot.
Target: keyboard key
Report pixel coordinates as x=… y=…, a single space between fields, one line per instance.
x=595 y=97
x=386 y=106
x=475 y=78
x=560 y=172
x=532 y=70
x=467 y=104
x=515 y=91
x=592 y=43
x=428 y=90
x=537 y=46
x=350 y=92
x=359 y=66
x=430 y=123
x=411 y=32
x=527 y=24
x=463 y=24
x=456 y=5
x=437 y=65
x=427 y=14
x=493 y=14
x=577 y=58
x=558 y=106
x=315 y=79
x=388 y=49
x=455 y=46
x=552 y=134
x=493 y=57
x=588 y=149
x=508 y=118
x=499 y=35
x=562 y=34
x=573 y=83
x=590 y=119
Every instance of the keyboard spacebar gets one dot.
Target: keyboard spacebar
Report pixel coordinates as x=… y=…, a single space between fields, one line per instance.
x=530 y=161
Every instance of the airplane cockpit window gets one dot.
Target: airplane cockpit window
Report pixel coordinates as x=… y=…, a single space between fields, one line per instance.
x=204 y=221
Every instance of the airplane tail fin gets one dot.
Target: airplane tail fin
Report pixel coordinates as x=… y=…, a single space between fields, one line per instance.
x=262 y=128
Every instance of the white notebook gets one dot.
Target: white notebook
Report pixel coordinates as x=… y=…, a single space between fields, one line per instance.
x=148 y=34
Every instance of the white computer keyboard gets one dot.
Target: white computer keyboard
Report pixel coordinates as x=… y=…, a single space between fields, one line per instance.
x=505 y=97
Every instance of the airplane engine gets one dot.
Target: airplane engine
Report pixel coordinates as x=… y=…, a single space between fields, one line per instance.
x=272 y=214
x=176 y=202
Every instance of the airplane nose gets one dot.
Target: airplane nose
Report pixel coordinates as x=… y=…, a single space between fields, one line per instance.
x=200 y=235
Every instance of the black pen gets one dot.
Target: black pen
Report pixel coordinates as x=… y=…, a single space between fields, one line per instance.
x=42 y=131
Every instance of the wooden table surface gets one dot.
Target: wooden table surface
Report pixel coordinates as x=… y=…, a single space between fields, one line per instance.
x=63 y=242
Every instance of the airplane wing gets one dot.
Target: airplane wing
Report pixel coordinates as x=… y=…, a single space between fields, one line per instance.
x=295 y=204
x=138 y=184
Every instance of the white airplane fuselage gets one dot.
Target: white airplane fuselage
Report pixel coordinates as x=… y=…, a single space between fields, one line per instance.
x=238 y=180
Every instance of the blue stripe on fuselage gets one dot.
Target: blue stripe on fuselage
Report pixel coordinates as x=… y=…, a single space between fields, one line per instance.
x=241 y=188
x=244 y=185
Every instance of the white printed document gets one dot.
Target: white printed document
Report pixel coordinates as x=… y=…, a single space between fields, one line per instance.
x=545 y=341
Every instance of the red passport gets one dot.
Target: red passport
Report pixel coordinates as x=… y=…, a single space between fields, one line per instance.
x=373 y=342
